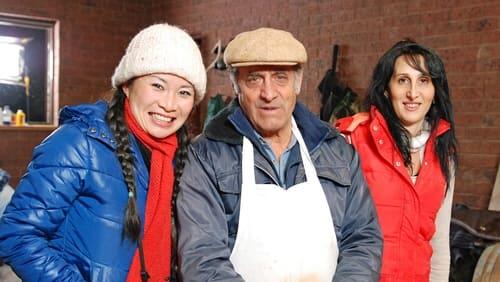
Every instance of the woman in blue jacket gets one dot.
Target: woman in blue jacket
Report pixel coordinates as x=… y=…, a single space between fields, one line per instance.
x=95 y=202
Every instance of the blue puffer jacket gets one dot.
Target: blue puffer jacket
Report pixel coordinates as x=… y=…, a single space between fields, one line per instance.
x=208 y=204
x=65 y=220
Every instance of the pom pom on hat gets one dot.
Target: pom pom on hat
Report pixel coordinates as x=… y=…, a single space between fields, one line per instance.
x=163 y=48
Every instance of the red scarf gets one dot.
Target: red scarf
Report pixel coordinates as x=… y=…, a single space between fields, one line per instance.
x=156 y=240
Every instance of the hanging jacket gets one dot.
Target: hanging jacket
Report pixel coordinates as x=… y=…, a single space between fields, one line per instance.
x=208 y=204
x=65 y=220
x=407 y=211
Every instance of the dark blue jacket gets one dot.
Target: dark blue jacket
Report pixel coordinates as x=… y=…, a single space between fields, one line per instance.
x=208 y=201
x=65 y=220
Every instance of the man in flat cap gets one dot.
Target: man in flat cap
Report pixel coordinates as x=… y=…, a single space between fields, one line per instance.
x=270 y=192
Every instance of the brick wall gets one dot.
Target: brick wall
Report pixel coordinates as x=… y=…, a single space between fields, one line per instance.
x=93 y=37
x=466 y=33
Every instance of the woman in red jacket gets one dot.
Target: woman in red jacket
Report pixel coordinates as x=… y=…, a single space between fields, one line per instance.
x=408 y=152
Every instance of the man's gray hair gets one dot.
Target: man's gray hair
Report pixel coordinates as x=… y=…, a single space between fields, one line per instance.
x=233 y=76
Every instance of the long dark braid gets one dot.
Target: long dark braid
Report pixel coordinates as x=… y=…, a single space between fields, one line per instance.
x=180 y=157
x=180 y=161
x=116 y=121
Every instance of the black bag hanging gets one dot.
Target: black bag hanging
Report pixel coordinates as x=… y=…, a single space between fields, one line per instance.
x=337 y=100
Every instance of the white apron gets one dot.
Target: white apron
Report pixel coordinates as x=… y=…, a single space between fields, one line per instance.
x=284 y=235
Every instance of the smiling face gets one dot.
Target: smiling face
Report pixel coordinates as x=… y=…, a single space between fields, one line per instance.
x=268 y=97
x=160 y=103
x=411 y=93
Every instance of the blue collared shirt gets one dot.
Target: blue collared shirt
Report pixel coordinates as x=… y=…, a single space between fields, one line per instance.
x=279 y=165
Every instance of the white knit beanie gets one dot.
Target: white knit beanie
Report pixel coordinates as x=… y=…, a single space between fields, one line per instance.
x=163 y=48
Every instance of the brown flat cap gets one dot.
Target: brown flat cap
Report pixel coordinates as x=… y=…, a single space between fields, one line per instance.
x=264 y=46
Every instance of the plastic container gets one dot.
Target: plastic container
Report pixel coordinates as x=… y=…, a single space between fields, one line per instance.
x=6 y=115
x=20 y=119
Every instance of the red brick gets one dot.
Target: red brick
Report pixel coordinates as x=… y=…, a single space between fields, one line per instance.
x=485 y=10
x=472 y=200
x=479 y=161
x=470 y=119
x=466 y=33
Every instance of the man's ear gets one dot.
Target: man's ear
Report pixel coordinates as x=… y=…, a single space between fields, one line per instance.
x=298 y=83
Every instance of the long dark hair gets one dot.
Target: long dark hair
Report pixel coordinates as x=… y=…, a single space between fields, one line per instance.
x=446 y=144
x=116 y=121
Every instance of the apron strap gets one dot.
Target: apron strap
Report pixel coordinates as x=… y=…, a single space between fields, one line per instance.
x=309 y=169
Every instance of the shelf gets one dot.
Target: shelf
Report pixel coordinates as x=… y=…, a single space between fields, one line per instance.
x=31 y=127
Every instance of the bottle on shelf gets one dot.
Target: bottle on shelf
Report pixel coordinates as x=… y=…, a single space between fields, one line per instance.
x=6 y=115
x=20 y=119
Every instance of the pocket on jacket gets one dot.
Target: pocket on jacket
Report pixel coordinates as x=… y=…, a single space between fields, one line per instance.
x=230 y=189
x=338 y=175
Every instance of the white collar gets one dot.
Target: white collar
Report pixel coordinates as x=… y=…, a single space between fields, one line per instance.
x=417 y=143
